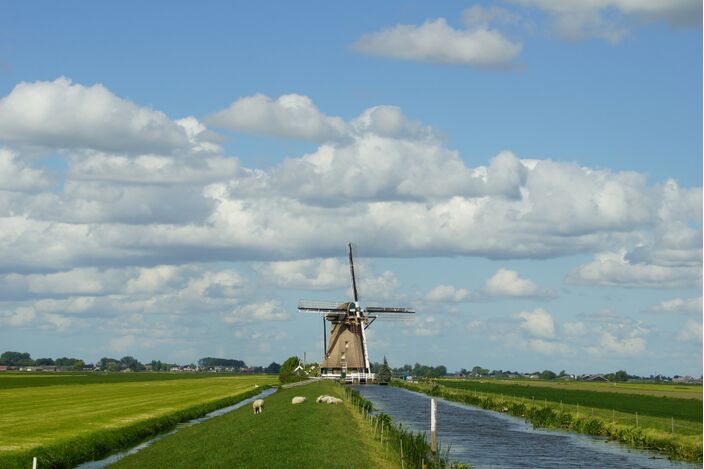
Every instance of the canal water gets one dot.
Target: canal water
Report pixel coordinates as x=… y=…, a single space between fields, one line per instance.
x=491 y=440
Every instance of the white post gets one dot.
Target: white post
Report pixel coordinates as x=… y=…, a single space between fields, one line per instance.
x=34 y=462
x=433 y=422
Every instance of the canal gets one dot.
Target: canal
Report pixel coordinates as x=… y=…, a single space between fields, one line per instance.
x=491 y=440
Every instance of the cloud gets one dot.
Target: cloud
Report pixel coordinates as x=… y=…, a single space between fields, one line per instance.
x=538 y=323
x=574 y=329
x=611 y=19
x=291 y=115
x=436 y=42
x=506 y=283
x=447 y=293
x=308 y=274
x=612 y=269
x=547 y=347
x=254 y=312
x=610 y=345
x=61 y=114
x=16 y=175
x=691 y=332
x=424 y=326
x=679 y=305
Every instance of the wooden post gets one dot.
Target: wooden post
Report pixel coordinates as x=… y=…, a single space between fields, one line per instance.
x=34 y=462
x=433 y=422
x=401 y=439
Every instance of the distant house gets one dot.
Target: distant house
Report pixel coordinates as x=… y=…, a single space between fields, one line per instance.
x=6 y=368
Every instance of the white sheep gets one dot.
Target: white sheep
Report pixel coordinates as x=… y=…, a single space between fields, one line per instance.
x=325 y=399
x=298 y=400
x=258 y=406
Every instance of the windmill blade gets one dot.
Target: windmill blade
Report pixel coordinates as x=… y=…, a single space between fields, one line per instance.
x=354 y=280
x=393 y=317
x=322 y=307
x=386 y=309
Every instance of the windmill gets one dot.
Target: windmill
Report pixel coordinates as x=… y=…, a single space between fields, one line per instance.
x=346 y=354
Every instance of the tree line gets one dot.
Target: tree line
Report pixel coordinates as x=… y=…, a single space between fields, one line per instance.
x=23 y=359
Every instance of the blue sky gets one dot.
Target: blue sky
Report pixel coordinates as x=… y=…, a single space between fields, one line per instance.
x=526 y=174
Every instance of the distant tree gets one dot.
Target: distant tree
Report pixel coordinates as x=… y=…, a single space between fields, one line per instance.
x=16 y=359
x=286 y=374
x=547 y=374
x=384 y=374
x=620 y=375
x=131 y=363
x=273 y=368
x=464 y=372
x=78 y=365
x=478 y=370
x=65 y=362
x=44 y=362
x=208 y=362
x=562 y=373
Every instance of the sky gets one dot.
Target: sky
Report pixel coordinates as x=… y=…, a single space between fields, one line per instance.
x=526 y=174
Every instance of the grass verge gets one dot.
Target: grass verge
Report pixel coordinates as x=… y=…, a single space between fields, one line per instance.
x=307 y=435
x=680 y=447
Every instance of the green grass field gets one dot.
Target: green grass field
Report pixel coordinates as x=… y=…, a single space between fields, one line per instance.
x=683 y=391
x=308 y=435
x=53 y=416
x=602 y=398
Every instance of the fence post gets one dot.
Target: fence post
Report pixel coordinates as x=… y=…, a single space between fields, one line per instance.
x=433 y=421
x=401 y=440
x=34 y=462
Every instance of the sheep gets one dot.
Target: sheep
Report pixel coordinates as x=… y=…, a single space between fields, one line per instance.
x=325 y=399
x=258 y=406
x=298 y=400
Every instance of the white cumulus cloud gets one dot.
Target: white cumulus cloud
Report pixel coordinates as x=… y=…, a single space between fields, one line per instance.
x=537 y=322
x=437 y=42
x=506 y=283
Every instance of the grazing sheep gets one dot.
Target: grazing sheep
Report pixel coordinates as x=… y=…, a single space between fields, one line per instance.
x=298 y=400
x=258 y=406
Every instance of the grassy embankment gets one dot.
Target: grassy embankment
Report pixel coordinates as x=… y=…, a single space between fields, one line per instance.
x=590 y=411
x=67 y=419
x=307 y=435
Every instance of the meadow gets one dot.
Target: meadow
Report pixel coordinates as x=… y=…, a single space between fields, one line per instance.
x=78 y=417
x=625 y=401
x=284 y=435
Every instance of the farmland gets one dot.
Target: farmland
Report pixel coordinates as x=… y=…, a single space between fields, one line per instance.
x=625 y=400
x=284 y=435
x=66 y=417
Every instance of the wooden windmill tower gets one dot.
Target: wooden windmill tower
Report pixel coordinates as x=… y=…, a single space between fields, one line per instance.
x=346 y=354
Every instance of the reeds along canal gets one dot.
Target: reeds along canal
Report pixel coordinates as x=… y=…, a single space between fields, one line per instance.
x=488 y=439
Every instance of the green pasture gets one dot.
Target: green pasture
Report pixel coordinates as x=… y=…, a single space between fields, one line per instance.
x=10 y=380
x=308 y=435
x=682 y=391
x=49 y=415
x=683 y=411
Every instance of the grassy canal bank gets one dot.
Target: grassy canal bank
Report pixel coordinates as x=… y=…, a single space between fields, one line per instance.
x=65 y=419
x=307 y=435
x=550 y=408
